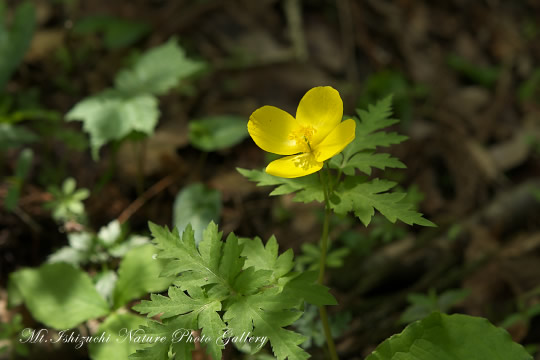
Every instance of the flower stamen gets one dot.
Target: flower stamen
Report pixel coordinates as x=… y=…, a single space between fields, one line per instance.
x=303 y=136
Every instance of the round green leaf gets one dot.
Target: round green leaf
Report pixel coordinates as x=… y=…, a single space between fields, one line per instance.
x=59 y=295
x=450 y=337
x=217 y=132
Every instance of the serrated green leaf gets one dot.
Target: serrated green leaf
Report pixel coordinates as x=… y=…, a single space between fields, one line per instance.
x=306 y=189
x=367 y=137
x=171 y=331
x=112 y=116
x=15 y=40
x=450 y=337
x=363 y=198
x=138 y=274
x=217 y=132
x=59 y=295
x=157 y=71
x=231 y=263
x=262 y=257
x=197 y=205
x=257 y=300
x=365 y=161
x=193 y=305
x=176 y=303
x=195 y=268
x=305 y=286
x=265 y=314
x=212 y=328
x=250 y=280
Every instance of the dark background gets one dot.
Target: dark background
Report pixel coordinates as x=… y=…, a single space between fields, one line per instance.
x=463 y=78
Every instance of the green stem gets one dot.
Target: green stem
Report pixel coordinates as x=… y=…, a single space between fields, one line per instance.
x=322 y=266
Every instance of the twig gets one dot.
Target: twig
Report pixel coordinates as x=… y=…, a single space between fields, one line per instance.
x=147 y=195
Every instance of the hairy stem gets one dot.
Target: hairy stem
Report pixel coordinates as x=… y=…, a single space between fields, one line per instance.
x=322 y=266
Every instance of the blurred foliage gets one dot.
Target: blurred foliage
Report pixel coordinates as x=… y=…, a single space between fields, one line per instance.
x=22 y=168
x=310 y=326
x=67 y=202
x=12 y=338
x=527 y=310
x=530 y=88
x=117 y=32
x=217 y=132
x=196 y=205
x=14 y=38
x=393 y=83
x=311 y=255
x=485 y=75
x=86 y=247
x=132 y=106
x=422 y=305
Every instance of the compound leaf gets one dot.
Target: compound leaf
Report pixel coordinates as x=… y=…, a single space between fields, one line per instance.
x=306 y=189
x=363 y=198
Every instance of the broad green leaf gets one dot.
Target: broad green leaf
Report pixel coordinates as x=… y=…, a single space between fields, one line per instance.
x=157 y=71
x=118 y=32
x=138 y=274
x=112 y=116
x=217 y=132
x=115 y=332
x=450 y=337
x=197 y=205
x=363 y=198
x=306 y=188
x=59 y=295
x=15 y=39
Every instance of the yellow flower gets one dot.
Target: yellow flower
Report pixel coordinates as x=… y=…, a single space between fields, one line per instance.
x=315 y=135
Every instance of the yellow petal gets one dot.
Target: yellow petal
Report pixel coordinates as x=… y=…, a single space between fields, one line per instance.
x=294 y=166
x=321 y=108
x=270 y=128
x=336 y=141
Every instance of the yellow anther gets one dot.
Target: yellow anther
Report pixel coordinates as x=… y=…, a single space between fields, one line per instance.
x=303 y=136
